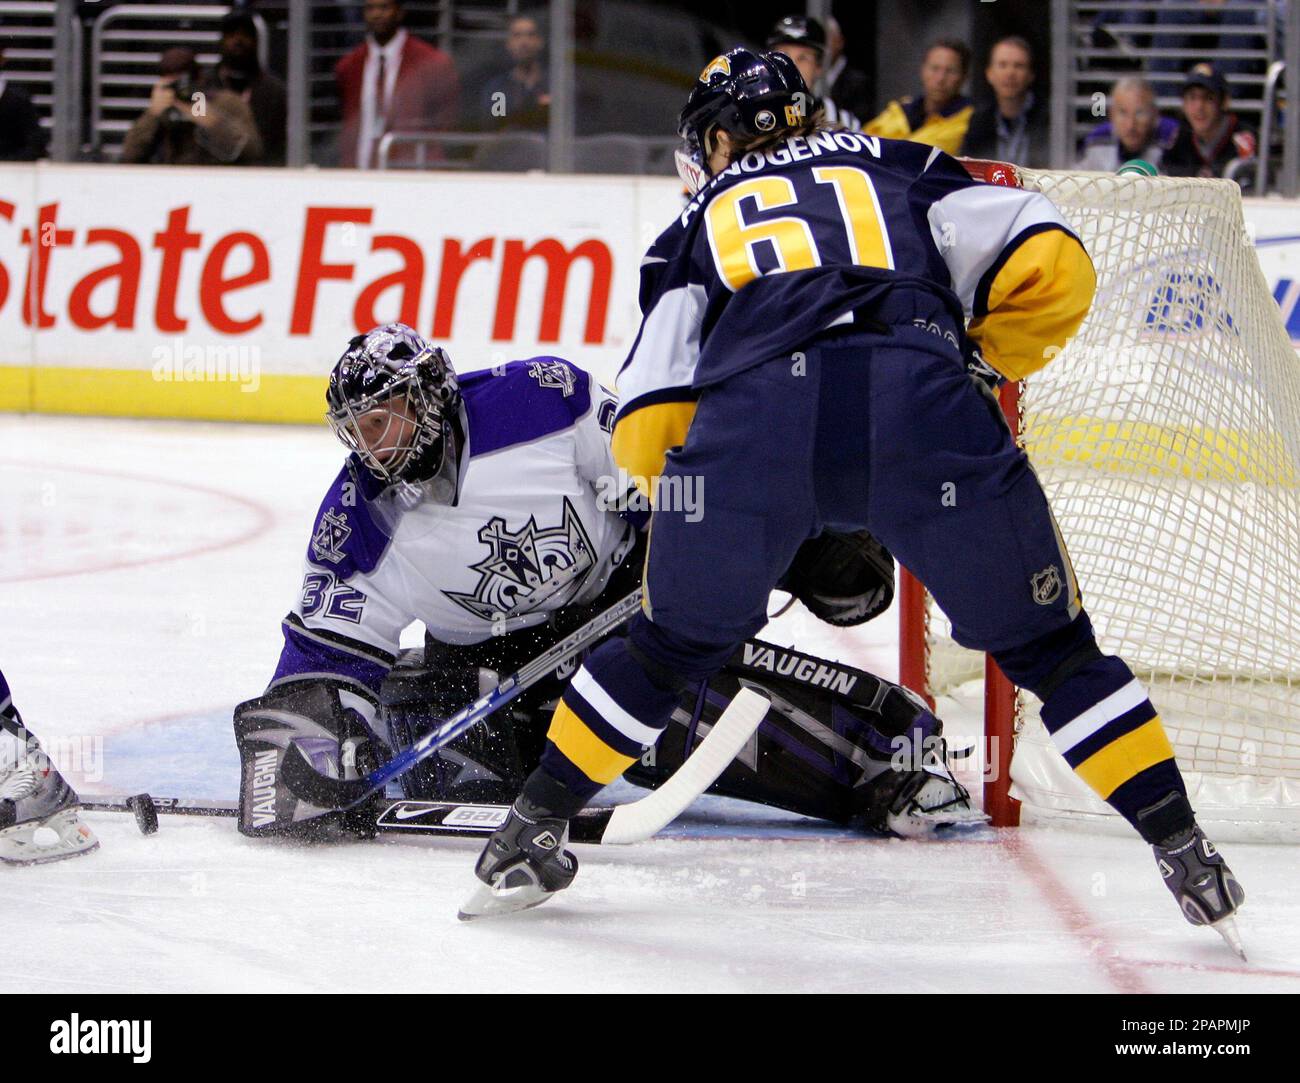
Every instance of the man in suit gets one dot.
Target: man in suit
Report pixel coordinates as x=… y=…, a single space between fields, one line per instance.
x=392 y=81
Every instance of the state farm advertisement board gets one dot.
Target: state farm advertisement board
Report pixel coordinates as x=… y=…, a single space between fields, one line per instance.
x=113 y=267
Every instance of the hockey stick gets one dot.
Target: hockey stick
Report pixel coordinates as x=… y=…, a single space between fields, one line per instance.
x=310 y=785
x=441 y=818
x=641 y=819
x=617 y=826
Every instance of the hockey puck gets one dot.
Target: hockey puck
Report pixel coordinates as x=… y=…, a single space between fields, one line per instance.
x=146 y=813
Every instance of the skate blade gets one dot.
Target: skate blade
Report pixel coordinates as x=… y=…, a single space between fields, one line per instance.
x=22 y=846
x=1226 y=927
x=487 y=902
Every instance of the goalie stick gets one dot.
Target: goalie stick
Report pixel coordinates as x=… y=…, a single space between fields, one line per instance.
x=444 y=818
x=617 y=826
x=332 y=793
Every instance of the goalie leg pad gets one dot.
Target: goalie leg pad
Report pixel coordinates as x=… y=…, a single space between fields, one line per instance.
x=325 y=719
x=837 y=744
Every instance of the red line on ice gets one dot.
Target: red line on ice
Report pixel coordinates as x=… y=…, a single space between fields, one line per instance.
x=265 y=518
x=1121 y=973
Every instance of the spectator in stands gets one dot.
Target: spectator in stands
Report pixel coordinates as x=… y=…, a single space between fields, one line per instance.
x=518 y=96
x=240 y=71
x=1014 y=126
x=845 y=84
x=1210 y=137
x=392 y=81
x=1135 y=129
x=941 y=115
x=186 y=125
x=803 y=40
x=22 y=139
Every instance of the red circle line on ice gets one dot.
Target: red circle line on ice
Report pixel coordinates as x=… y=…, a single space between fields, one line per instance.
x=263 y=518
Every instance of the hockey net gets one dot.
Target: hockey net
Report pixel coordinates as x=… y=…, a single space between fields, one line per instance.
x=1167 y=437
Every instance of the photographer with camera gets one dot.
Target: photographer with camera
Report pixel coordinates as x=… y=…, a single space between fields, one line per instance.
x=187 y=124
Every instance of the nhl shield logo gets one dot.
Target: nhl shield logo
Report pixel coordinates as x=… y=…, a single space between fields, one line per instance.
x=1046 y=585
x=331 y=535
x=765 y=120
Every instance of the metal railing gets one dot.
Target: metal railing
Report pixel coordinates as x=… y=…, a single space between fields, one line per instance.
x=1093 y=42
x=127 y=42
x=514 y=152
x=507 y=152
x=1275 y=73
x=1096 y=42
x=31 y=55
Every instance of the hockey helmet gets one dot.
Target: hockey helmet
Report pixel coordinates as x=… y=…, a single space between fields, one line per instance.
x=393 y=399
x=744 y=93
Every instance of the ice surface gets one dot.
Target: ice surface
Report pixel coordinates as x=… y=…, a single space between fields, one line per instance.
x=192 y=537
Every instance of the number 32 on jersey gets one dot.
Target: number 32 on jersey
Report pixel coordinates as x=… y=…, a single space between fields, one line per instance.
x=735 y=242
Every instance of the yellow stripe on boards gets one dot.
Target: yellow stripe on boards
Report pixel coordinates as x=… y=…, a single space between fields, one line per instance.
x=582 y=748
x=138 y=393
x=1110 y=767
x=16 y=388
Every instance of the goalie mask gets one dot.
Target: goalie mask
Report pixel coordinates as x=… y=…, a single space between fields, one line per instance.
x=393 y=399
x=745 y=93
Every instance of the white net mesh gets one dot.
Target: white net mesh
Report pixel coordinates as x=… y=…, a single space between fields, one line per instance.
x=1167 y=436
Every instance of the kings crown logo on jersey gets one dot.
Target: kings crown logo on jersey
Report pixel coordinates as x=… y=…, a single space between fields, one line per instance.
x=331 y=535
x=554 y=374
x=522 y=564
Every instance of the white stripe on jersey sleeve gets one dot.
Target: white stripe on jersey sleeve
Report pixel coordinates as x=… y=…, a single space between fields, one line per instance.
x=668 y=349
x=973 y=226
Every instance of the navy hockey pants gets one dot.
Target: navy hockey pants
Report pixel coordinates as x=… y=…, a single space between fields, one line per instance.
x=883 y=431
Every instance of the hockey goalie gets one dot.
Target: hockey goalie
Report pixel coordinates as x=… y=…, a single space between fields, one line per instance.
x=489 y=508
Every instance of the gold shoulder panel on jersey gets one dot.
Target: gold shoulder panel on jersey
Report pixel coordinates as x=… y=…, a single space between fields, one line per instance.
x=1037 y=300
x=643 y=438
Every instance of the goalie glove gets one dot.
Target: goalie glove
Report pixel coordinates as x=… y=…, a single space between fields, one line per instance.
x=845 y=579
x=325 y=720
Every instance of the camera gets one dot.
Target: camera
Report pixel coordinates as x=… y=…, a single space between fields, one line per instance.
x=186 y=91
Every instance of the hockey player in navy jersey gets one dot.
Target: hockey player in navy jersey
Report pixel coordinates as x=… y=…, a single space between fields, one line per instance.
x=488 y=507
x=39 y=821
x=809 y=325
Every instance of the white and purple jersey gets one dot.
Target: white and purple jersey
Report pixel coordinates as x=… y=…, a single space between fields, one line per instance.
x=531 y=529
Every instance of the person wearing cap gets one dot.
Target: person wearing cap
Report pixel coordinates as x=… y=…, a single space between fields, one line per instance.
x=940 y=116
x=1014 y=126
x=186 y=124
x=1210 y=137
x=240 y=71
x=803 y=40
x=1135 y=128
